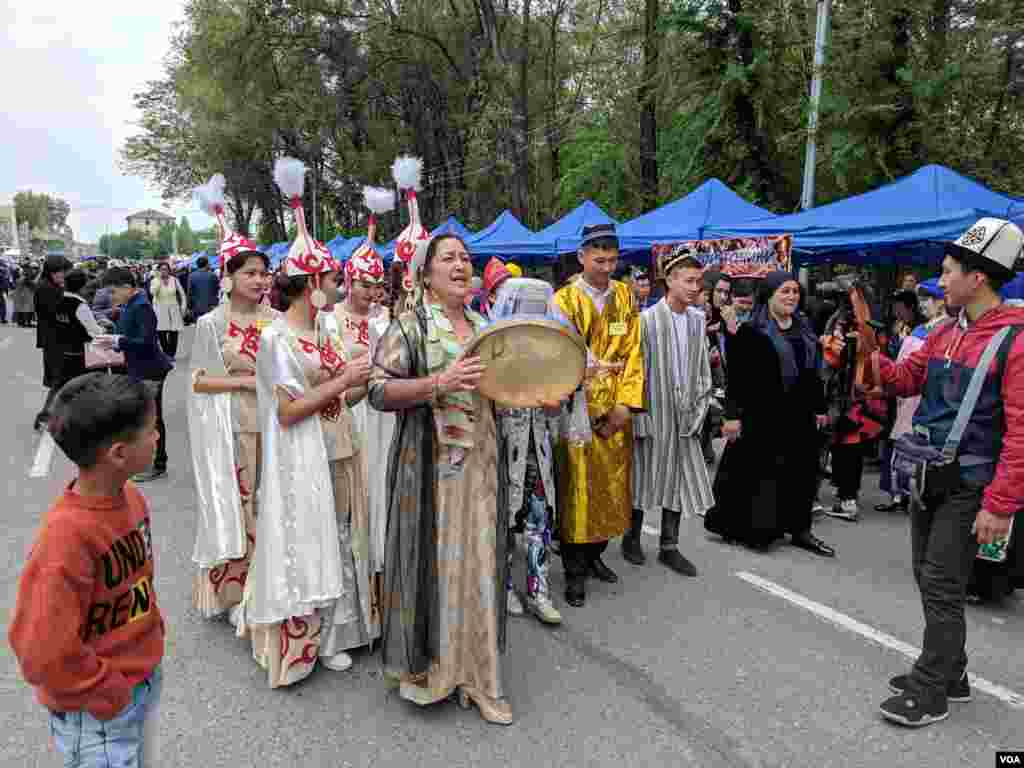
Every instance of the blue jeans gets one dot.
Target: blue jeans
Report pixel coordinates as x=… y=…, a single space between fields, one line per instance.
x=130 y=740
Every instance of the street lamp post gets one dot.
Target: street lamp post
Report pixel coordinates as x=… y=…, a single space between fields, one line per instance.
x=810 y=158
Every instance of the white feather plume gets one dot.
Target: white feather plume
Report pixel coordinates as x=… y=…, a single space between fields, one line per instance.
x=211 y=194
x=406 y=172
x=378 y=199
x=290 y=176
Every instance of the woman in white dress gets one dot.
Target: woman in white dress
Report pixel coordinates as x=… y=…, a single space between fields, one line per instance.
x=363 y=321
x=307 y=598
x=168 y=299
x=224 y=433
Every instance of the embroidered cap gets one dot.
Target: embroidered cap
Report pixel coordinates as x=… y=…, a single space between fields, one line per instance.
x=997 y=240
x=596 y=232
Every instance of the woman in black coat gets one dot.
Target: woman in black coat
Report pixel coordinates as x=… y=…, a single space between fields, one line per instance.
x=48 y=296
x=775 y=406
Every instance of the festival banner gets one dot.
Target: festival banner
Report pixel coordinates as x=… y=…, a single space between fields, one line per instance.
x=735 y=256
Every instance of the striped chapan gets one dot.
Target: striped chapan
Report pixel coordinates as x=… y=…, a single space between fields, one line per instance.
x=668 y=464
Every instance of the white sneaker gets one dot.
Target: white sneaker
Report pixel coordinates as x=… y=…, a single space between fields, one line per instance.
x=846 y=509
x=339 y=662
x=515 y=605
x=235 y=615
x=541 y=607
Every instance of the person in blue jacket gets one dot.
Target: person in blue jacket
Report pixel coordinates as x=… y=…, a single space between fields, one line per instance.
x=203 y=289
x=136 y=337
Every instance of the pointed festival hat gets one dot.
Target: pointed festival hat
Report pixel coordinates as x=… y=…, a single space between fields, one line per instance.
x=211 y=201
x=365 y=264
x=411 y=245
x=307 y=257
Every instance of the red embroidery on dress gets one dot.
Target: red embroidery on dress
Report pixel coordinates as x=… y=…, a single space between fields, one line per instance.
x=243 y=491
x=309 y=650
x=250 y=341
x=330 y=363
x=360 y=329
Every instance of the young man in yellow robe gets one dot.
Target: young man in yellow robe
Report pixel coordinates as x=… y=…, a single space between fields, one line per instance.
x=595 y=478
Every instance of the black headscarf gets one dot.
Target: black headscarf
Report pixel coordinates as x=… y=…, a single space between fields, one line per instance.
x=765 y=323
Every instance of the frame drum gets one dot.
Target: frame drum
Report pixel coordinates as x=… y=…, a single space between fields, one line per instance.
x=529 y=362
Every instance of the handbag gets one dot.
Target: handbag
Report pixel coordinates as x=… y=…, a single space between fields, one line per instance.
x=98 y=357
x=928 y=474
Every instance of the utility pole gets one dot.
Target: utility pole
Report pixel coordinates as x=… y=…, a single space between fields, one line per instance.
x=810 y=158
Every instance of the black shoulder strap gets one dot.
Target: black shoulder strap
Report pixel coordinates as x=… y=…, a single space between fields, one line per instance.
x=1004 y=353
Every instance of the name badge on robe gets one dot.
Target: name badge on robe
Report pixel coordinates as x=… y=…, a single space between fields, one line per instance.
x=617 y=329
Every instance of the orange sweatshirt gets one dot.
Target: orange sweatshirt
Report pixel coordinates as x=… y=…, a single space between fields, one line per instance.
x=86 y=626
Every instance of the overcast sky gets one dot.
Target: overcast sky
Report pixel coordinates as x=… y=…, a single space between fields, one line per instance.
x=67 y=73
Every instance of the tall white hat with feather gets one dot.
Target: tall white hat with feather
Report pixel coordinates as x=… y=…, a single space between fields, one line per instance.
x=307 y=256
x=211 y=201
x=365 y=264
x=411 y=245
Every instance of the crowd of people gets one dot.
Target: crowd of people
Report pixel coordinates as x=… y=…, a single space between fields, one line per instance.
x=355 y=490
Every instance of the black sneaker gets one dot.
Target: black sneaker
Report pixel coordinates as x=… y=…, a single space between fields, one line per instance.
x=913 y=710
x=674 y=559
x=959 y=691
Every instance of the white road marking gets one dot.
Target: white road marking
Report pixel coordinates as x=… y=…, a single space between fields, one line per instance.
x=44 y=456
x=652 y=531
x=1012 y=698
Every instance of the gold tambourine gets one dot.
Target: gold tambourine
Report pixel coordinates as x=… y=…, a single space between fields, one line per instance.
x=529 y=362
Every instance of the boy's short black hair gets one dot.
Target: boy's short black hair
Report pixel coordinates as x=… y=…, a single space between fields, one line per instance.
x=75 y=280
x=202 y=262
x=118 y=276
x=969 y=261
x=93 y=411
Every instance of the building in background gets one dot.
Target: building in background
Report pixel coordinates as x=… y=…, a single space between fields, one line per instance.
x=8 y=229
x=148 y=221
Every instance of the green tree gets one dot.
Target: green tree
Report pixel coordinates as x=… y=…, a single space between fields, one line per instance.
x=186 y=238
x=32 y=208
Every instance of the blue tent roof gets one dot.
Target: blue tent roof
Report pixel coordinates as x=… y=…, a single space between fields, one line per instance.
x=452 y=226
x=933 y=204
x=564 y=235
x=709 y=205
x=503 y=233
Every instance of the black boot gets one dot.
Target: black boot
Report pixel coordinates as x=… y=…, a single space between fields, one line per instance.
x=631 y=549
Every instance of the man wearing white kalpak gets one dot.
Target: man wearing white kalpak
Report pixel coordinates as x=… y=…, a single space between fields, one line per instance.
x=669 y=467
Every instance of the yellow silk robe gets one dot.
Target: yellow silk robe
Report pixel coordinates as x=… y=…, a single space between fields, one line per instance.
x=595 y=479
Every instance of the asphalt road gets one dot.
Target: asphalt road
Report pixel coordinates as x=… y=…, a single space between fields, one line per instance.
x=657 y=670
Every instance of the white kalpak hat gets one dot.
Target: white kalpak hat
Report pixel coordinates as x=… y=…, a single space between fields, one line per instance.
x=307 y=256
x=211 y=202
x=997 y=240
x=411 y=245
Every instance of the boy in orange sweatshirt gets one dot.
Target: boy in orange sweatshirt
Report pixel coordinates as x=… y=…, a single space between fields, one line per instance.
x=86 y=628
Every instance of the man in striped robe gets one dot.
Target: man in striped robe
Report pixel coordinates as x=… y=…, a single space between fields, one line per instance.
x=670 y=473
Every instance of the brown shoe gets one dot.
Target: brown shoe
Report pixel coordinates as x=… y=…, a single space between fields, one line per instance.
x=497 y=711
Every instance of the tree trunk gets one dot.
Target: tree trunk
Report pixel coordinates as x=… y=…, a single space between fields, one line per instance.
x=648 y=95
x=758 y=163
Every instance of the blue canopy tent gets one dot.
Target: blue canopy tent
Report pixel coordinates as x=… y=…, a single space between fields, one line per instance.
x=504 y=233
x=712 y=204
x=563 y=236
x=452 y=226
x=901 y=222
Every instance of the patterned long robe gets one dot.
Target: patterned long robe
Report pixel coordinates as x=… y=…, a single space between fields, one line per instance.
x=595 y=479
x=445 y=567
x=669 y=467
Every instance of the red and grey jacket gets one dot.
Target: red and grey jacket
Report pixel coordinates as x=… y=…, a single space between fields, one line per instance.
x=940 y=372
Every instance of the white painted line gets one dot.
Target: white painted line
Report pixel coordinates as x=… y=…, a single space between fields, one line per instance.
x=652 y=531
x=1012 y=698
x=44 y=456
